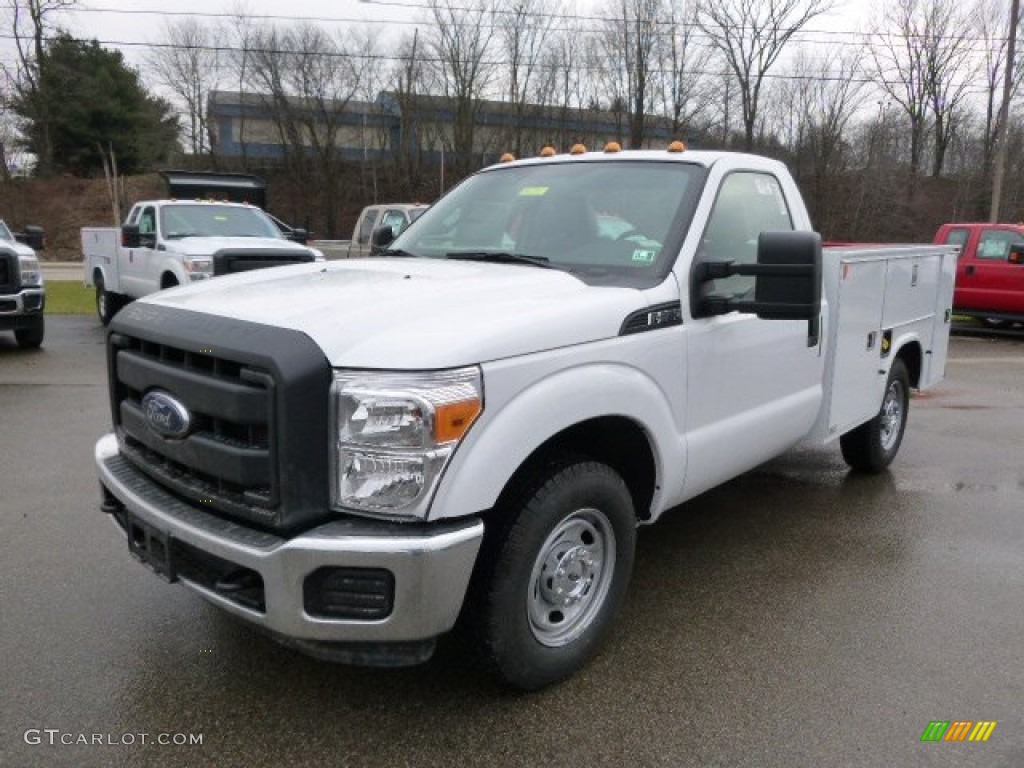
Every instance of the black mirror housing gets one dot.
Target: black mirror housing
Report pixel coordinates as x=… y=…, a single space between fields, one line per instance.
x=382 y=237
x=130 y=237
x=787 y=282
x=788 y=285
x=297 y=235
x=1016 y=255
x=33 y=237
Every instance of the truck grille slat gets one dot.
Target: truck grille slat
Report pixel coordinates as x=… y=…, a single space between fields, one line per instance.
x=238 y=422
x=225 y=462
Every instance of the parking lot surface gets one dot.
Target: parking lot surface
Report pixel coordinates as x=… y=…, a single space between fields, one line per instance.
x=798 y=616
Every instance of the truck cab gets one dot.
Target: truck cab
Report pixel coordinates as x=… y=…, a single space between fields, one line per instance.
x=22 y=293
x=397 y=216
x=989 y=272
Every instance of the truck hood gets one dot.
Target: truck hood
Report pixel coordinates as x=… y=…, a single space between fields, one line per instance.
x=207 y=246
x=417 y=314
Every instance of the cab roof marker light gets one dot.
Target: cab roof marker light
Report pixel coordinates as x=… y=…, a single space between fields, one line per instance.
x=612 y=147
x=578 y=149
x=508 y=157
x=548 y=151
x=677 y=146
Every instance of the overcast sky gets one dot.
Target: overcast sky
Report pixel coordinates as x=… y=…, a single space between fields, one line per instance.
x=142 y=21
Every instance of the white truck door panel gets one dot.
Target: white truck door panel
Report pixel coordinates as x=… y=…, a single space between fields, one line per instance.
x=857 y=382
x=754 y=389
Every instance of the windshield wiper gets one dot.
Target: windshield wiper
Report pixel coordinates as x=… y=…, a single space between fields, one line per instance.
x=501 y=257
x=397 y=253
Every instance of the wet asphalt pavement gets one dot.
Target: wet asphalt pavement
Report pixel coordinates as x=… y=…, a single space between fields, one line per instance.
x=797 y=616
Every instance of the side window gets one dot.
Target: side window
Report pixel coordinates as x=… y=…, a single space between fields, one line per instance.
x=366 y=226
x=147 y=222
x=995 y=243
x=748 y=204
x=957 y=237
x=395 y=220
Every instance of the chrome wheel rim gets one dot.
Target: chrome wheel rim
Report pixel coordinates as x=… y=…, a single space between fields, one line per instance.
x=101 y=303
x=571 y=577
x=892 y=415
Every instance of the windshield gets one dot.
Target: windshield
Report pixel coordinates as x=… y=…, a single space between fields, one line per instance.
x=599 y=218
x=205 y=220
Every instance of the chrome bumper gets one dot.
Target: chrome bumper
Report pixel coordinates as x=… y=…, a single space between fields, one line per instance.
x=431 y=564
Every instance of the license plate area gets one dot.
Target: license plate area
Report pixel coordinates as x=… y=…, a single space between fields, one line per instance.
x=151 y=546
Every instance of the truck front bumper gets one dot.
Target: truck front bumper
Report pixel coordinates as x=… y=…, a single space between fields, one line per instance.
x=20 y=310
x=395 y=586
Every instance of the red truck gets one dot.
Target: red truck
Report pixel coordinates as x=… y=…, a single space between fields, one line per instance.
x=989 y=271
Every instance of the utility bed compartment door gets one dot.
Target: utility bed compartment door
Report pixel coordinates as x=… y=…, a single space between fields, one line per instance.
x=857 y=383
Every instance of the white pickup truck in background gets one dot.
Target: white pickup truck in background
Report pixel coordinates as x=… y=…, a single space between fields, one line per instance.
x=22 y=291
x=211 y=224
x=353 y=455
x=397 y=216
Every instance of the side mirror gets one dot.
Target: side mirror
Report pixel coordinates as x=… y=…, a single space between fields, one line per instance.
x=300 y=236
x=381 y=238
x=787 y=276
x=1016 y=255
x=130 y=237
x=33 y=237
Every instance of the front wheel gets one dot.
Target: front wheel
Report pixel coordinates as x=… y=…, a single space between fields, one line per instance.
x=557 y=573
x=32 y=336
x=872 y=446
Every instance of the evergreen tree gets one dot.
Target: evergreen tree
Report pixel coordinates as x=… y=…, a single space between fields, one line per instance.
x=87 y=100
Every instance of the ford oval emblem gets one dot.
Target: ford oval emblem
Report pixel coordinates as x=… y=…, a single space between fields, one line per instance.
x=165 y=415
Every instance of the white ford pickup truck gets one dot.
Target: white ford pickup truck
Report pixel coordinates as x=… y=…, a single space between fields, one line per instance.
x=164 y=243
x=354 y=455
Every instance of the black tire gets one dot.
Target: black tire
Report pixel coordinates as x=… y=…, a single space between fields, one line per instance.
x=168 y=281
x=107 y=303
x=872 y=446
x=554 y=572
x=995 y=323
x=31 y=337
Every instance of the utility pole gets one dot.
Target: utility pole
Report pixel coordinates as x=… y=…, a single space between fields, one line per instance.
x=1004 y=114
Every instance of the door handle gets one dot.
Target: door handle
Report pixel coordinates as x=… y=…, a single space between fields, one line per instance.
x=970 y=270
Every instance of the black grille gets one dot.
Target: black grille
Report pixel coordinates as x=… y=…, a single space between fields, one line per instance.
x=226 y=461
x=257 y=397
x=8 y=272
x=227 y=262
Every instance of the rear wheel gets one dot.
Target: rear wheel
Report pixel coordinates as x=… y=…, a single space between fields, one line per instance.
x=107 y=303
x=556 y=573
x=872 y=446
x=32 y=336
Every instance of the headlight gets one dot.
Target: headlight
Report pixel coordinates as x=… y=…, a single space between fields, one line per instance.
x=393 y=435
x=199 y=268
x=31 y=274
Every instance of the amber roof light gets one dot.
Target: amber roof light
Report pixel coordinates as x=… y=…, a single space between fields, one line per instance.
x=578 y=149
x=676 y=146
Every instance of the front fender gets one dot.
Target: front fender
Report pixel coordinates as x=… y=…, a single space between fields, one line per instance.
x=512 y=429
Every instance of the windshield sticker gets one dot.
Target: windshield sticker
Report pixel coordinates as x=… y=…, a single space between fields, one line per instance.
x=533 y=191
x=220 y=218
x=644 y=255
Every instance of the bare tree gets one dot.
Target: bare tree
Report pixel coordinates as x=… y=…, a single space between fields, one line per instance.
x=751 y=35
x=525 y=31
x=31 y=21
x=458 y=41
x=188 y=65
x=629 y=42
x=949 y=70
x=683 y=63
x=824 y=93
x=924 y=61
x=307 y=80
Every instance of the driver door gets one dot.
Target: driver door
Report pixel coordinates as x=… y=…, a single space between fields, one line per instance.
x=753 y=386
